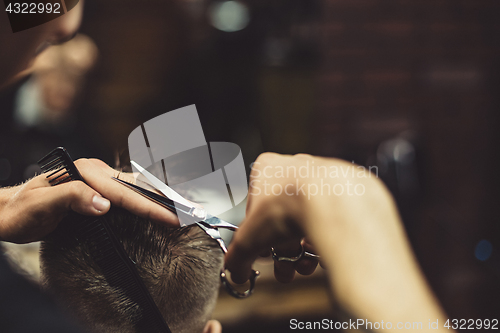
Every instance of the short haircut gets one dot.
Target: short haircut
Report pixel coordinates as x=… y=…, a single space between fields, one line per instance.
x=179 y=266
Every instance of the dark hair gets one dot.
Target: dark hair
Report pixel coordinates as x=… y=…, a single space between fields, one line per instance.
x=179 y=266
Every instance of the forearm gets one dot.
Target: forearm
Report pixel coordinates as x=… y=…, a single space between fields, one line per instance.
x=374 y=274
x=352 y=221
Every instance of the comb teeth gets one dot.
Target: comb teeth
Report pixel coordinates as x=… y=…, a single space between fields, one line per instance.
x=60 y=166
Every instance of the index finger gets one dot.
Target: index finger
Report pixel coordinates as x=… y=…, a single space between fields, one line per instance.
x=268 y=224
x=98 y=175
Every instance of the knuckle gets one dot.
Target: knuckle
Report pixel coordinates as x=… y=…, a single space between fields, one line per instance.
x=241 y=247
x=267 y=158
x=77 y=189
x=302 y=156
x=149 y=215
x=82 y=163
x=119 y=199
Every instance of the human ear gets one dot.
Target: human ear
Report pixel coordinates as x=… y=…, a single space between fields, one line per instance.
x=213 y=326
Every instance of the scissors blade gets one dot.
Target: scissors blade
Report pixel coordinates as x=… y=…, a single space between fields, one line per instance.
x=215 y=222
x=159 y=199
x=214 y=234
x=198 y=212
x=162 y=187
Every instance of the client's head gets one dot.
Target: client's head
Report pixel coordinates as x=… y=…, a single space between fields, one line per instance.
x=179 y=266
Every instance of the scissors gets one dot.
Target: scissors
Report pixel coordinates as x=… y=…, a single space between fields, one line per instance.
x=191 y=214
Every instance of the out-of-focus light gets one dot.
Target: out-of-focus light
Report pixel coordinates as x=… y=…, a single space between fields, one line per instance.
x=5 y=169
x=229 y=16
x=403 y=151
x=483 y=250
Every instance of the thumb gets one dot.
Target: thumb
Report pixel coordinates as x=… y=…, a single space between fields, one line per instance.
x=32 y=212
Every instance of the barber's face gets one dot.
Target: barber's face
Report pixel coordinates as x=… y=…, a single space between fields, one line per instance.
x=18 y=50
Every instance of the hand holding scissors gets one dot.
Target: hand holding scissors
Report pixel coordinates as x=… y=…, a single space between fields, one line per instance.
x=190 y=214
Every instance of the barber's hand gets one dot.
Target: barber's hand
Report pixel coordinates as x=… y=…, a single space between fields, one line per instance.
x=273 y=223
x=273 y=220
x=351 y=219
x=327 y=200
x=30 y=211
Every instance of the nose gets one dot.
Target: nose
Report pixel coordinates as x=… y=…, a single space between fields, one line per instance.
x=66 y=26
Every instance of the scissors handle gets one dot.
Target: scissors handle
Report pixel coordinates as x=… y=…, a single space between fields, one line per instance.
x=232 y=291
x=302 y=254
x=214 y=233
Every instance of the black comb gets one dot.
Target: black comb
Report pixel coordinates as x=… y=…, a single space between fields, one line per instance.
x=107 y=251
x=61 y=167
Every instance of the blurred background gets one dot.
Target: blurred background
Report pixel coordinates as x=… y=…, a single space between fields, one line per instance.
x=411 y=87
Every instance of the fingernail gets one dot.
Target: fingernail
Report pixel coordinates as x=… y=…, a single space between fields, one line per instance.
x=100 y=203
